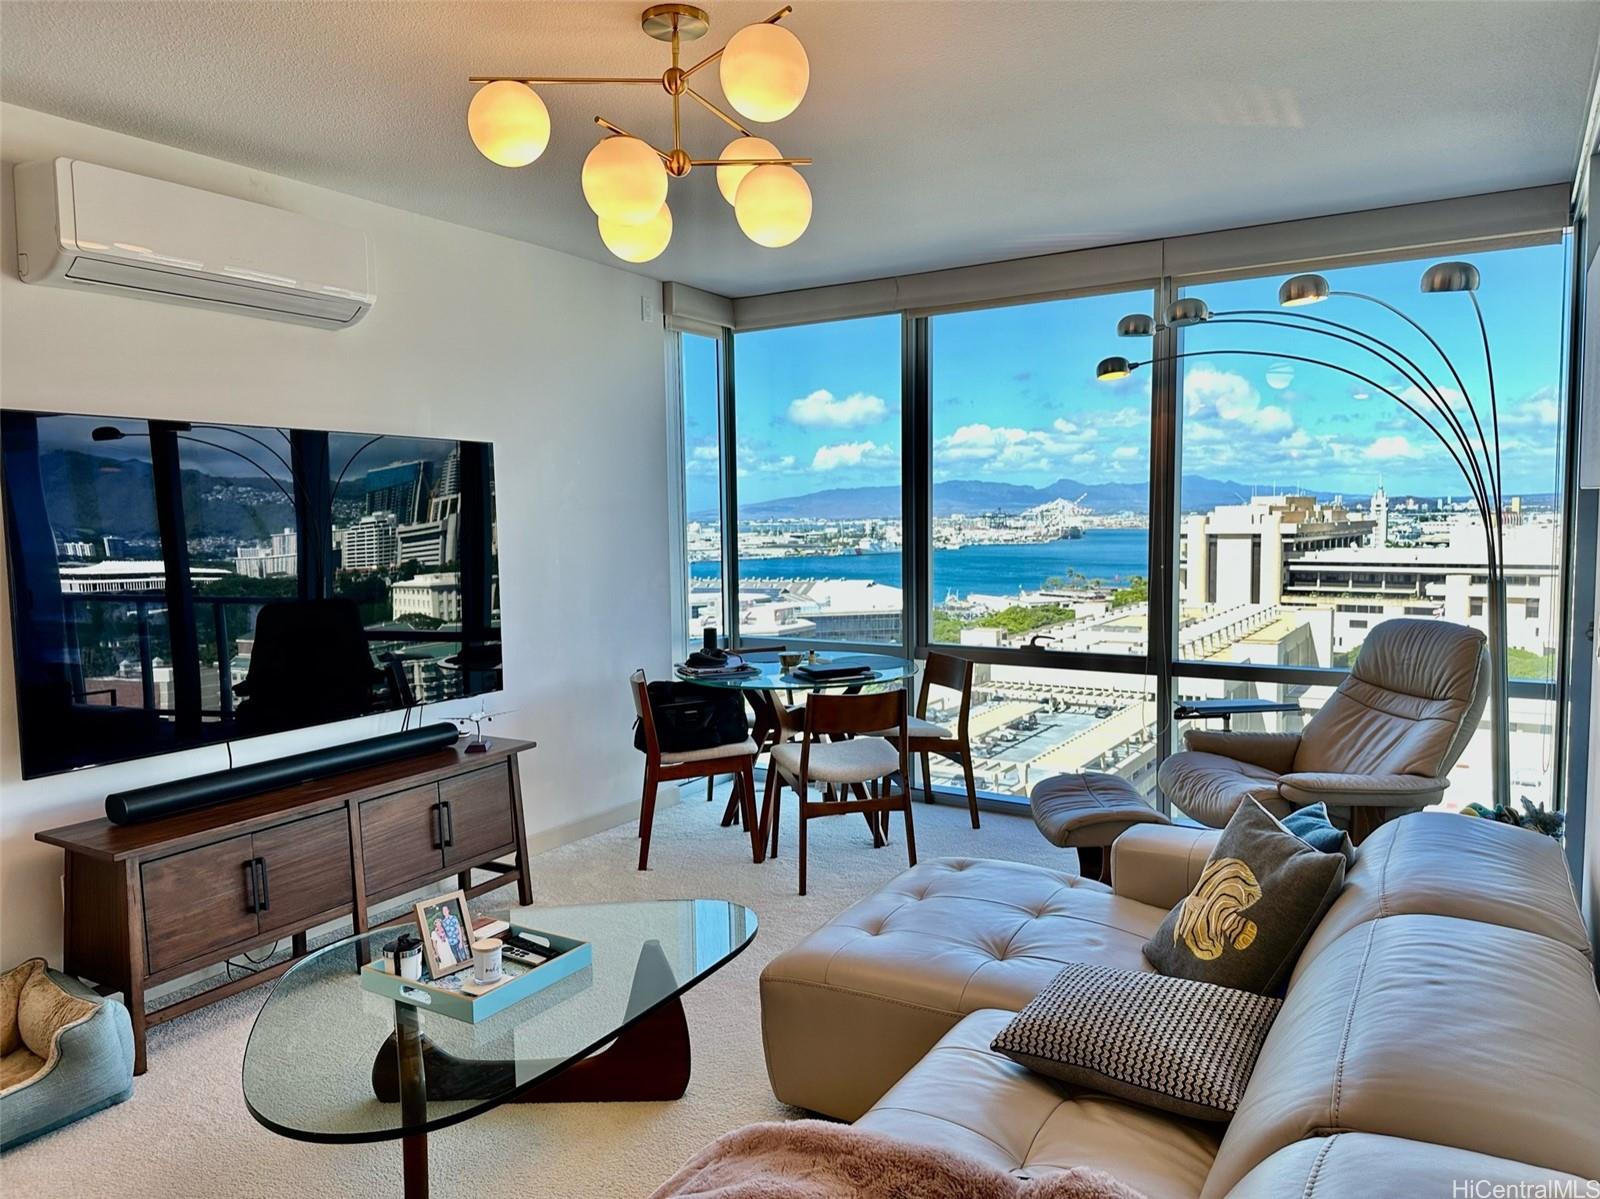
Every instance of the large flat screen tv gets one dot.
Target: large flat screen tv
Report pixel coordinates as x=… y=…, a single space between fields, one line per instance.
x=179 y=584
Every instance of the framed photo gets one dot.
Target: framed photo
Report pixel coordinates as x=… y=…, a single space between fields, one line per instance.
x=446 y=928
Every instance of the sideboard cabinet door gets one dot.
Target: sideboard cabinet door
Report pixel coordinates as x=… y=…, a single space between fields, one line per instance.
x=198 y=900
x=477 y=815
x=400 y=839
x=305 y=870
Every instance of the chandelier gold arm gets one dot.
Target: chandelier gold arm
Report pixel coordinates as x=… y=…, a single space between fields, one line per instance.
x=543 y=80
x=621 y=132
x=712 y=57
x=717 y=112
x=749 y=162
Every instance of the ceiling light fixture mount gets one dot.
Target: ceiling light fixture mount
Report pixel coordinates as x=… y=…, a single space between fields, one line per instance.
x=764 y=74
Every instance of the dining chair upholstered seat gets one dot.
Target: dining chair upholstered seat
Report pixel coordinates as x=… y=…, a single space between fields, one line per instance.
x=918 y=727
x=851 y=761
x=731 y=750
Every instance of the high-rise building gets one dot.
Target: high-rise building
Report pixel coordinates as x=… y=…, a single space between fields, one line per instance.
x=277 y=558
x=403 y=488
x=372 y=543
x=1379 y=511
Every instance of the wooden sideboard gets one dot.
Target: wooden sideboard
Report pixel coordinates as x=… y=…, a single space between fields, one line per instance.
x=148 y=903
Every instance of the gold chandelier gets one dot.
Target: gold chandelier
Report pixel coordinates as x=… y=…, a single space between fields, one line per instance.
x=764 y=74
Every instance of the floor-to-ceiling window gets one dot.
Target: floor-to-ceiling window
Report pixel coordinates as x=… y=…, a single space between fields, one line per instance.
x=820 y=538
x=1315 y=506
x=1041 y=537
x=1041 y=479
x=700 y=367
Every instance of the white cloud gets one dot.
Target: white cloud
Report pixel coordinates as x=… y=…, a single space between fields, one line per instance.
x=704 y=453
x=1006 y=448
x=1124 y=453
x=822 y=409
x=1229 y=396
x=1396 y=445
x=853 y=453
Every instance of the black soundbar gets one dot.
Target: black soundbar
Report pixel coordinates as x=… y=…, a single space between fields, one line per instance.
x=204 y=790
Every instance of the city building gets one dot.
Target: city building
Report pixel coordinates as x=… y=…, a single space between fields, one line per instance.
x=280 y=556
x=403 y=489
x=437 y=596
x=432 y=542
x=371 y=543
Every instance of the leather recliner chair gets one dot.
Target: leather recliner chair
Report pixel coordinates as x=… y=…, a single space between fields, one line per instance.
x=1381 y=746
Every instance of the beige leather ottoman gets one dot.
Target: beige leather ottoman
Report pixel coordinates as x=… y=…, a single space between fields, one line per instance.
x=1087 y=812
x=852 y=1007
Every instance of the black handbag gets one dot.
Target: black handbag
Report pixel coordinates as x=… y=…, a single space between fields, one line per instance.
x=688 y=716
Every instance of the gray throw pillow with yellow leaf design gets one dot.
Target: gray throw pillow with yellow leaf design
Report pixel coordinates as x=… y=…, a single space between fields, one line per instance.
x=1258 y=900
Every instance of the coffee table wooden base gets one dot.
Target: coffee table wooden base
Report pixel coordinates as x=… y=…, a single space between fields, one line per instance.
x=648 y=1060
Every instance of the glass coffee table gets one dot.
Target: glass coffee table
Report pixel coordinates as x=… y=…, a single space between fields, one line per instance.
x=330 y=1062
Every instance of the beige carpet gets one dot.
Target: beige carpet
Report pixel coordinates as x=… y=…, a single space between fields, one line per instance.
x=186 y=1132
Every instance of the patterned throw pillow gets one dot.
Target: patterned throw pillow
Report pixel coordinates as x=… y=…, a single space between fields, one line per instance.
x=1259 y=898
x=1183 y=1047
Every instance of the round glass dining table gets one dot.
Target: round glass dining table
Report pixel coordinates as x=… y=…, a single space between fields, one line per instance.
x=770 y=674
x=777 y=721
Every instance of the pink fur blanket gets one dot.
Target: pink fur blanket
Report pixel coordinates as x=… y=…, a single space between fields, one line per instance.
x=812 y=1159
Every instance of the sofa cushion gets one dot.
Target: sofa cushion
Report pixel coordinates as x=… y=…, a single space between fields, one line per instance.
x=851 y=1008
x=1257 y=901
x=965 y=1097
x=1443 y=864
x=1182 y=1046
x=1436 y=1029
x=1346 y=1165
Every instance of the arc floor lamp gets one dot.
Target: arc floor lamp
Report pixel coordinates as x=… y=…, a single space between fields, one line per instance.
x=1475 y=451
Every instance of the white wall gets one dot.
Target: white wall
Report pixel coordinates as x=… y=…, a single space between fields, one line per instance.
x=473 y=336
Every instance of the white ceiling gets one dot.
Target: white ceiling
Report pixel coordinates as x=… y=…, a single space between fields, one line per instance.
x=945 y=133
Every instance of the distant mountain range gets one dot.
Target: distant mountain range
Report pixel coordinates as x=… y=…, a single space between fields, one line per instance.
x=969 y=497
x=92 y=495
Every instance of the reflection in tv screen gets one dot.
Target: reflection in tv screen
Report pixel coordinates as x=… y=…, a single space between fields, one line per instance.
x=178 y=584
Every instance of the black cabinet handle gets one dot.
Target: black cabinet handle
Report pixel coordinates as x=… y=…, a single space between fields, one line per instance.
x=250 y=886
x=449 y=825
x=437 y=812
x=266 y=903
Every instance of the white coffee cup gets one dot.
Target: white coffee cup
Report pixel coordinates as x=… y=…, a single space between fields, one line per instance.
x=486 y=964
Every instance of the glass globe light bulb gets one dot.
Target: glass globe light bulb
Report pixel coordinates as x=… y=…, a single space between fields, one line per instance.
x=765 y=72
x=509 y=123
x=773 y=205
x=729 y=178
x=638 y=243
x=624 y=181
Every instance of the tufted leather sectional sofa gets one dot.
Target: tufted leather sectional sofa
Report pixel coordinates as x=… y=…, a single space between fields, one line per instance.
x=1442 y=1024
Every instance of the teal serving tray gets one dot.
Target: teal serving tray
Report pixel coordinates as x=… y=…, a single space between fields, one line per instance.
x=474 y=1009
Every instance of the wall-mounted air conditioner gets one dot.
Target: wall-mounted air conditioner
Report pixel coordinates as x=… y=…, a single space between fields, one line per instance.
x=82 y=225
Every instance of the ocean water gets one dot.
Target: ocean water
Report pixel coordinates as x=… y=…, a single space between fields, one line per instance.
x=1110 y=555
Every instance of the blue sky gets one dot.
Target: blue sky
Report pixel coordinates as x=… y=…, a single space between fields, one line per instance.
x=1014 y=398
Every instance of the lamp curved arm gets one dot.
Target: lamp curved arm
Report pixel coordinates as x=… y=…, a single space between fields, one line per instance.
x=1421 y=380
x=1438 y=349
x=1474 y=478
x=1494 y=402
x=1373 y=383
x=234 y=429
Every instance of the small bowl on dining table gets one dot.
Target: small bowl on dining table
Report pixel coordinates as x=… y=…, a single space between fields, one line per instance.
x=790 y=661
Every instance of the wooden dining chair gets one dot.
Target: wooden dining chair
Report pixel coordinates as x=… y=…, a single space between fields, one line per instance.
x=838 y=749
x=664 y=766
x=924 y=738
